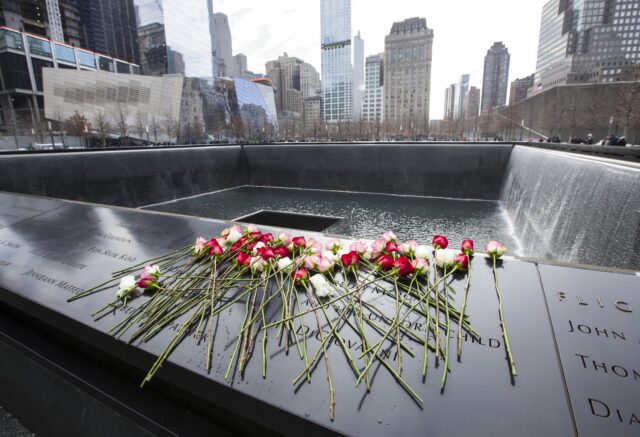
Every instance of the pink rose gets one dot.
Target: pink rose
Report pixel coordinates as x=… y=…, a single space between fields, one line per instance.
x=420 y=265
x=358 y=246
x=300 y=276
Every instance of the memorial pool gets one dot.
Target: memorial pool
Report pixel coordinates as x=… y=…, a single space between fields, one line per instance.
x=362 y=215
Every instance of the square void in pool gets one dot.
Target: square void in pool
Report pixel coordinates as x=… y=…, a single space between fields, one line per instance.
x=305 y=222
x=363 y=215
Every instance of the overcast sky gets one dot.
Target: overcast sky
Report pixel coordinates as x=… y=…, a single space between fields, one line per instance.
x=463 y=32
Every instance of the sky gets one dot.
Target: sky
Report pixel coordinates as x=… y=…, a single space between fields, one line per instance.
x=463 y=32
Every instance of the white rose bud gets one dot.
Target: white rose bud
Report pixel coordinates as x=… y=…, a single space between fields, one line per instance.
x=422 y=251
x=127 y=285
x=284 y=264
x=321 y=285
x=445 y=258
x=233 y=236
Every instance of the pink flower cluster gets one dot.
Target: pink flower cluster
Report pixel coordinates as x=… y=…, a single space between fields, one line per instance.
x=302 y=257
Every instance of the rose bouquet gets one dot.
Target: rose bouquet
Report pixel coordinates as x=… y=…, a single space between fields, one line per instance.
x=280 y=280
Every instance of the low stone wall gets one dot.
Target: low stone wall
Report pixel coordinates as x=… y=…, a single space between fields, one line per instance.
x=123 y=177
x=146 y=176
x=466 y=171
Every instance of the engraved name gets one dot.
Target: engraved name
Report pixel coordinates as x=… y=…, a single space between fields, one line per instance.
x=609 y=369
x=599 y=332
x=620 y=305
x=111 y=254
x=606 y=411
x=64 y=285
x=58 y=259
x=115 y=238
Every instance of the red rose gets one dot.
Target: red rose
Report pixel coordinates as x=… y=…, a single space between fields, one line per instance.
x=238 y=244
x=299 y=242
x=404 y=266
x=282 y=252
x=385 y=262
x=440 y=242
x=243 y=259
x=214 y=248
x=300 y=276
x=349 y=259
x=266 y=253
x=265 y=238
x=255 y=235
x=462 y=261
x=391 y=247
x=145 y=281
x=251 y=246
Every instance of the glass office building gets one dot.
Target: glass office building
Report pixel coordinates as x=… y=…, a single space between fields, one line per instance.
x=22 y=59
x=337 y=70
x=174 y=37
x=588 y=41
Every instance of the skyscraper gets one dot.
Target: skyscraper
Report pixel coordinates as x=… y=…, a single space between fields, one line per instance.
x=496 y=77
x=358 y=76
x=174 y=37
x=462 y=87
x=449 y=100
x=110 y=27
x=335 y=40
x=214 y=39
x=407 y=74
x=519 y=87
x=587 y=41
x=240 y=63
x=226 y=63
x=471 y=105
x=294 y=80
x=373 y=105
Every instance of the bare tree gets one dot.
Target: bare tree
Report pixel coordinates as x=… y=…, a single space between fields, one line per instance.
x=103 y=126
x=155 y=127
x=627 y=105
x=140 y=124
x=122 y=116
x=169 y=125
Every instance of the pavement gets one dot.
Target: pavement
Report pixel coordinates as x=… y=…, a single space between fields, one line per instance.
x=10 y=427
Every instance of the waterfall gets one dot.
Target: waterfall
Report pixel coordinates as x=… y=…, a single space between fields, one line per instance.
x=574 y=208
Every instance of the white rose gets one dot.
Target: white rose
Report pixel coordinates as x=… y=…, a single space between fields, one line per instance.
x=284 y=264
x=445 y=258
x=422 y=251
x=233 y=236
x=127 y=285
x=321 y=286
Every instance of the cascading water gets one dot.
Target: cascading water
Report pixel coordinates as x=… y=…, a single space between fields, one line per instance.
x=574 y=208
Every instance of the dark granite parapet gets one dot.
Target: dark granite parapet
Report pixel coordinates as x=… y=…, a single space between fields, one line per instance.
x=146 y=176
x=52 y=255
x=463 y=171
x=123 y=177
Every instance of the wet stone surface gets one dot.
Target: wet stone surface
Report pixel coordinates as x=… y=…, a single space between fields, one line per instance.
x=74 y=247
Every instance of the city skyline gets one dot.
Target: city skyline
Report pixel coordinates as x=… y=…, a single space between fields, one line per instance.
x=295 y=28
